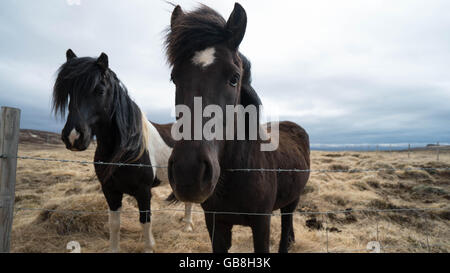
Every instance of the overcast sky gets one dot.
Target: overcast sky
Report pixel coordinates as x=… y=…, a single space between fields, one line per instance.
x=347 y=71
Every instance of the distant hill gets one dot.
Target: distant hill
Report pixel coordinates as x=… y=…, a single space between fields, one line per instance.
x=431 y=147
x=39 y=137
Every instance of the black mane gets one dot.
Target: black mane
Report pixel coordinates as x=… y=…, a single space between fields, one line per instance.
x=80 y=76
x=247 y=67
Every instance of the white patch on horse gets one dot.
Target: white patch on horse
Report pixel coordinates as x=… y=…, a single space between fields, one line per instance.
x=188 y=224
x=159 y=153
x=114 y=230
x=149 y=240
x=74 y=135
x=205 y=57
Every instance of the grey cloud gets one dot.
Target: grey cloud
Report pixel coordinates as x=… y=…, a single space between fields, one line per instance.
x=349 y=73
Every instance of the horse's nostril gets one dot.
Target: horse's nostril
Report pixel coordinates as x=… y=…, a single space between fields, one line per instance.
x=80 y=135
x=64 y=139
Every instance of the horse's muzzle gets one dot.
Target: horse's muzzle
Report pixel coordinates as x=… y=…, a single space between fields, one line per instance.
x=192 y=174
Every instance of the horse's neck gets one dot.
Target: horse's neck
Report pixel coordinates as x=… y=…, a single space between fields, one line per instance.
x=236 y=154
x=107 y=133
x=107 y=140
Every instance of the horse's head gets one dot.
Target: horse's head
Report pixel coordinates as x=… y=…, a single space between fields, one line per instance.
x=203 y=50
x=84 y=85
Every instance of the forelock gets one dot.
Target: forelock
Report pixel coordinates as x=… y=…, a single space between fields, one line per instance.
x=194 y=32
x=76 y=76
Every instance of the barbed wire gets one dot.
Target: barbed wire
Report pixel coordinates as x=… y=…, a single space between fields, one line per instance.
x=396 y=210
x=87 y=162
x=239 y=169
x=340 y=170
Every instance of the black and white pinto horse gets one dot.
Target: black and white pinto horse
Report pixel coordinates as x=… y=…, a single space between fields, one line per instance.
x=99 y=105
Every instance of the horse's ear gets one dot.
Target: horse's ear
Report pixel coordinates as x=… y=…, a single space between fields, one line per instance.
x=70 y=55
x=177 y=12
x=236 y=25
x=102 y=61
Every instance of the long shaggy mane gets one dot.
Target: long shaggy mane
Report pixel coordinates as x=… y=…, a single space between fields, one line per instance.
x=79 y=76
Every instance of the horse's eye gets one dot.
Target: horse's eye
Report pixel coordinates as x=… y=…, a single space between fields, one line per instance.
x=235 y=80
x=99 y=91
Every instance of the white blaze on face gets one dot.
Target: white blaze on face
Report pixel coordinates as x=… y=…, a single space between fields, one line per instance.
x=74 y=135
x=205 y=57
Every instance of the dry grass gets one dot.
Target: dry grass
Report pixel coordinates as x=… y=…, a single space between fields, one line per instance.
x=74 y=187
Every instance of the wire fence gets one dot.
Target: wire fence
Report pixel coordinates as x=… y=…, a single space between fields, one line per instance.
x=397 y=210
x=239 y=169
x=374 y=247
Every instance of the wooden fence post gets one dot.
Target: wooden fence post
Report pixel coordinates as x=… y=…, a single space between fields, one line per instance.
x=9 y=140
x=437 y=154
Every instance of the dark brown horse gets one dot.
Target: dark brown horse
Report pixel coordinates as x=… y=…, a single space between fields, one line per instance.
x=202 y=49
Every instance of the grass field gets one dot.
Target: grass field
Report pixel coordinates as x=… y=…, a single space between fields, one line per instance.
x=74 y=187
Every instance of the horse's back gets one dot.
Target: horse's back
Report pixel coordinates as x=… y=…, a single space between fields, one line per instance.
x=293 y=153
x=164 y=131
x=293 y=141
x=295 y=135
